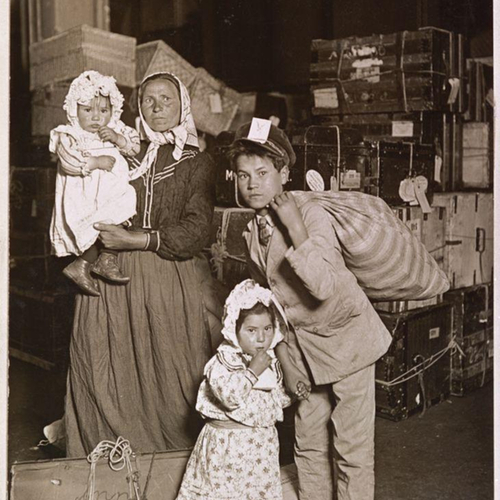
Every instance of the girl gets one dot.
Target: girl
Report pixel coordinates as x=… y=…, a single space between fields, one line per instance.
x=241 y=397
x=92 y=179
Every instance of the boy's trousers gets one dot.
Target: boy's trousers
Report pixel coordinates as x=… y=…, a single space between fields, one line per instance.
x=350 y=406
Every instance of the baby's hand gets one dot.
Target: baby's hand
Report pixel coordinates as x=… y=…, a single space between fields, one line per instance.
x=107 y=134
x=260 y=362
x=105 y=162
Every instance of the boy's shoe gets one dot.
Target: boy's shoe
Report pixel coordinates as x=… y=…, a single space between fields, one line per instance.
x=106 y=266
x=79 y=272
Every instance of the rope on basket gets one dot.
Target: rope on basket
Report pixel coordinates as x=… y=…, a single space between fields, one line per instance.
x=118 y=455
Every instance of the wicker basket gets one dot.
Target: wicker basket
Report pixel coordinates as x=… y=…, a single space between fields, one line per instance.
x=64 y=56
x=214 y=105
x=158 y=56
x=47 y=108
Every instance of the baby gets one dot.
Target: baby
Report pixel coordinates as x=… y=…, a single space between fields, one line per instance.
x=92 y=183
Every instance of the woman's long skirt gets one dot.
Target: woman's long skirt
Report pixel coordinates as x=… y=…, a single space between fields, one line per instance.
x=136 y=358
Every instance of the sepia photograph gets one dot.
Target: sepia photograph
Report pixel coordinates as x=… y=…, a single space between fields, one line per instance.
x=247 y=250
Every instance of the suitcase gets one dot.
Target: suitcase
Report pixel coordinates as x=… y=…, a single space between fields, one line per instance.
x=471 y=363
x=226 y=189
x=227 y=246
x=468 y=252
x=336 y=158
x=154 y=477
x=400 y=72
x=421 y=339
x=440 y=129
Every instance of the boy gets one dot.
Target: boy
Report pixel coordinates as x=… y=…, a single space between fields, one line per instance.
x=335 y=335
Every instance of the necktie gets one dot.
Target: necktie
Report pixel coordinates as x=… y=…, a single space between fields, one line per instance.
x=265 y=231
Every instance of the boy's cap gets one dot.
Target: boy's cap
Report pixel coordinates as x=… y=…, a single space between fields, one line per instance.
x=268 y=136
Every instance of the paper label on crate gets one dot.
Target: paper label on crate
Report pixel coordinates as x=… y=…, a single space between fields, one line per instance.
x=455 y=87
x=415 y=226
x=368 y=74
x=403 y=128
x=326 y=98
x=314 y=181
x=259 y=130
x=434 y=333
x=215 y=103
x=350 y=180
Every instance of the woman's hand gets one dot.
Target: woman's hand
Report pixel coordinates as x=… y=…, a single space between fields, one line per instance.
x=117 y=238
x=260 y=362
x=286 y=209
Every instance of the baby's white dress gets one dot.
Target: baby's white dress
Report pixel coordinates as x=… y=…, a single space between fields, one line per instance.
x=82 y=200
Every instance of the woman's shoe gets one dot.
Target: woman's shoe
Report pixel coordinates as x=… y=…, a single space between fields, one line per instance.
x=106 y=266
x=79 y=272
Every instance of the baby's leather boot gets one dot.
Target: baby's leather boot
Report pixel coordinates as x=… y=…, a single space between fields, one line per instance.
x=106 y=266
x=79 y=272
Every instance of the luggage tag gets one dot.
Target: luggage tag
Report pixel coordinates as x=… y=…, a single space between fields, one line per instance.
x=455 y=87
x=314 y=181
x=412 y=190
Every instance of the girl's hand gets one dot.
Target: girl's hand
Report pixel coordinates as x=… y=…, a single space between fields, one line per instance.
x=286 y=209
x=260 y=362
x=108 y=134
x=118 y=238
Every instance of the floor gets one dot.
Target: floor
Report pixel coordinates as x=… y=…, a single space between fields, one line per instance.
x=445 y=454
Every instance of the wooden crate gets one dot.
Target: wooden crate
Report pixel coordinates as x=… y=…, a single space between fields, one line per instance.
x=213 y=104
x=477 y=154
x=51 y=17
x=468 y=252
x=64 y=56
x=155 y=56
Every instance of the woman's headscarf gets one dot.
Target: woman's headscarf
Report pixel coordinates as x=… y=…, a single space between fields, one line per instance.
x=182 y=134
x=244 y=296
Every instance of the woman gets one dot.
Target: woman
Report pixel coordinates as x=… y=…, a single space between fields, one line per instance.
x=138 y=351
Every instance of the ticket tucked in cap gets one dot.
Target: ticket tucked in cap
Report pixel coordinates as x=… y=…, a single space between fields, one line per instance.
x=259 y=130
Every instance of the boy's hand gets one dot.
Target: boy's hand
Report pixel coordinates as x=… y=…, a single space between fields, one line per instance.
x=260 y=362
x=286 y=209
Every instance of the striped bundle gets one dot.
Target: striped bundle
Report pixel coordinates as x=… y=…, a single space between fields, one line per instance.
x=389 y=262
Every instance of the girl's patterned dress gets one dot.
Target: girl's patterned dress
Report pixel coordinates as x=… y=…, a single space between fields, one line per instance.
x=236 y=454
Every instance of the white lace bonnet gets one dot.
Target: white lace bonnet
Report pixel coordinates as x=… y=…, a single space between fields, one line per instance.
x=88 y=85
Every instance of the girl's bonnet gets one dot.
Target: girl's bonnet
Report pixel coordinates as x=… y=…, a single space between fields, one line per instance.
x=244 y=296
